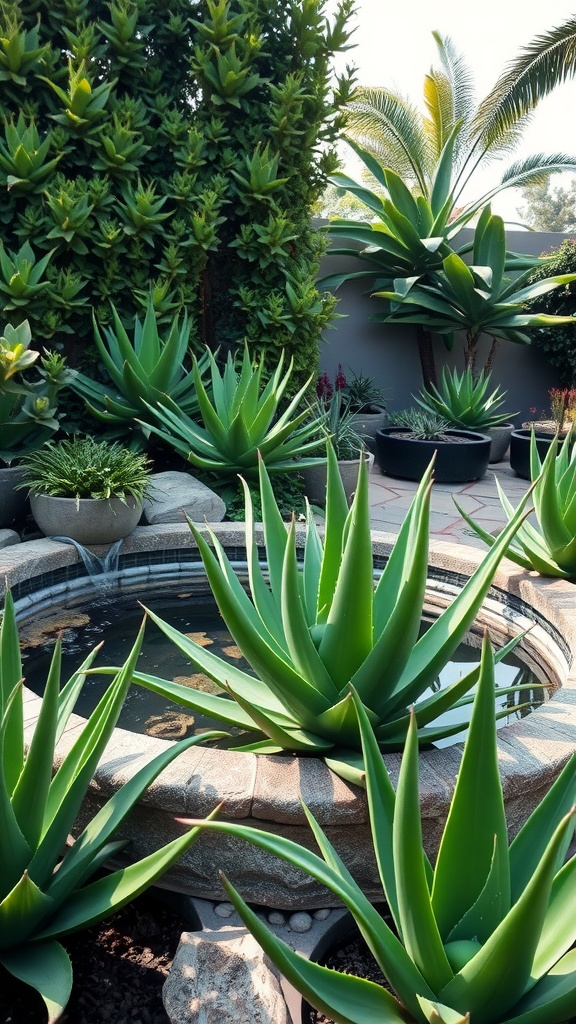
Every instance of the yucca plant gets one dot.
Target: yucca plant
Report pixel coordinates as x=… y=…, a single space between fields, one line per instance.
x=483 y=936
x=463 y=400
x=242 y=420
x=144 y=372
x=311 y=630
x=549 y=548
x=46 y=888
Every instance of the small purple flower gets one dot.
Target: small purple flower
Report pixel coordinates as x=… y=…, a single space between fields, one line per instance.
x=324 y=389
x=340 y=382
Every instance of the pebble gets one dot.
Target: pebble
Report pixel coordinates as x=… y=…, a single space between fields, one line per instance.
x=300 y=922
x=224 y=910
x=276 y=917
x=321 y=915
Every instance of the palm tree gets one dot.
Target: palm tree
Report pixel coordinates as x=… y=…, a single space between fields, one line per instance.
x=546 y=62
x=411 y=143
x=422 y=163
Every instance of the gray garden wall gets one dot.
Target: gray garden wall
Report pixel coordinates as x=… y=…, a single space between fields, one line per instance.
x=389 y=353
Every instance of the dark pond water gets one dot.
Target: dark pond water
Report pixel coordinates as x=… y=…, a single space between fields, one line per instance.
x=116 y=620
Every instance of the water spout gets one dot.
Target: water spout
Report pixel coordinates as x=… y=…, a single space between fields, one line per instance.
x=98 y=567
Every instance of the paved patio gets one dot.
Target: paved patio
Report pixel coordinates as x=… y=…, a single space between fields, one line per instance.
x=390 y=499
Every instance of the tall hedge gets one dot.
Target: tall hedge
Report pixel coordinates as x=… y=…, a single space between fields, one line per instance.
x=175 y=146
x=559 y=343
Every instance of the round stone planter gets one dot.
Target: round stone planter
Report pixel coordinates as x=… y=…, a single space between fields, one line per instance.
x=367 y=424
x=499 y=441
x=12 y=502
x=266 y=791
x=520 y=449
x=464 y=458
x=315 y=479
x=88 y=521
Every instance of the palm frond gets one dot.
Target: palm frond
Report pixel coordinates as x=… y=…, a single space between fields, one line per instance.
x=537 y=168
x=393 y=127
x=439 y=100
x=547 y=61
x=460 y=77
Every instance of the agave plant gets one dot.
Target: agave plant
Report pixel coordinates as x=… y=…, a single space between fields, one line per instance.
x=463 y=400
x=485 y=935
x=309 y=631
x=550 y=549
x=143 y=372
x=46 y=893
x=242 y=421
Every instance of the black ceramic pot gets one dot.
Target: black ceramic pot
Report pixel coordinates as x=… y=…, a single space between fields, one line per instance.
x=465 y=458
x=520 y=449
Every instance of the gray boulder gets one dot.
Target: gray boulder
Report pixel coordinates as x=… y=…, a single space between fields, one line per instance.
x=173 y=495
x=223 y=978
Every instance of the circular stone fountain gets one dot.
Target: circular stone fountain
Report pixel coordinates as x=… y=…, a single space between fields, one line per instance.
x=266 y=791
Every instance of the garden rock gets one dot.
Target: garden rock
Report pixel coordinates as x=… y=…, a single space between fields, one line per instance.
x=8 y=538
x=172 y=496
x=223 y=977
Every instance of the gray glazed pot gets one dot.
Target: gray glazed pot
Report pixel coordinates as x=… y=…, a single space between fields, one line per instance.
x=12 y=502
x=499 y=441
x=92 y=521
x=315 y=479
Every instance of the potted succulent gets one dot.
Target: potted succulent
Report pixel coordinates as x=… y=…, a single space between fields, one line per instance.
x=27 y=411
x=335 y=421
x=367 y=403
x=405 y=447
x=465 y=401
x=557 y=423
x=88 y=490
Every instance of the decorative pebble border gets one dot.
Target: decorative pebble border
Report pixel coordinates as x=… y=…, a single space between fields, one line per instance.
x=266 y=791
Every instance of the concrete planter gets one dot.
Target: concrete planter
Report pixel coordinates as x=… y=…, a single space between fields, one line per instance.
x=403 y=456
x=367 y=424
x=89 y=521
x=315 y=478
x=12 y=502
x=499 y=441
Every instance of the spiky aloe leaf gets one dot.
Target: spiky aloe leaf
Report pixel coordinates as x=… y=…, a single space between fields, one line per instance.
x=46 y=968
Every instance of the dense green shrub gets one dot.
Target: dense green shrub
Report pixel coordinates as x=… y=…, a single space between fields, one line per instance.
x=559 y=343
x=175 y=146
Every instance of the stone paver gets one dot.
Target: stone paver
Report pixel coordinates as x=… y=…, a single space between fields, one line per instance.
x=390 y=499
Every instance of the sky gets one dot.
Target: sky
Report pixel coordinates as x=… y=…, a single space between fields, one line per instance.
x=394 y=48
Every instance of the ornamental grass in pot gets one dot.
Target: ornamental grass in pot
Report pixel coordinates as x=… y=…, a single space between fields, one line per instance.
x=90 y=491
x=405 y=447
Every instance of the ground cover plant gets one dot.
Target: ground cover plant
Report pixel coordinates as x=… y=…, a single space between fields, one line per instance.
x=483 y=935
x=312 y=630
x=47 y=889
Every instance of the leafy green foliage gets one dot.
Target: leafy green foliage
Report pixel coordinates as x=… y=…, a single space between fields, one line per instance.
x=491 y=943
x=559 y=343
x=242 y=421
x=476 y=299
x=28 y=415
x=46 y=887
x=174 y=148
x=549 y=547
x=313 y=629
x=144 y=372
x=84 y=467
x=462 y=399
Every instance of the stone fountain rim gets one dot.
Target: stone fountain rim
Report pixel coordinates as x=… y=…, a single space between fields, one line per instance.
x=202 y=777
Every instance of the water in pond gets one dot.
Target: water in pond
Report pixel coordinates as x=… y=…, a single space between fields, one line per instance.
x=117 y=622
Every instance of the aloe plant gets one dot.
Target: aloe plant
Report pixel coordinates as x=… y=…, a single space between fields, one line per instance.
x=549 y=548
x=144 y=372
x=46 y=893
x=485 y=935
x=463 y=400
x=242 y=421
x=311 y=630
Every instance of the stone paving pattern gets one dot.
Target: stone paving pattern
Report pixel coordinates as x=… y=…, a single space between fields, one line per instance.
x=390 y=499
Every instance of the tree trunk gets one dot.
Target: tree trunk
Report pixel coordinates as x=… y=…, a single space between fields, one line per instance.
x=426 y=354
